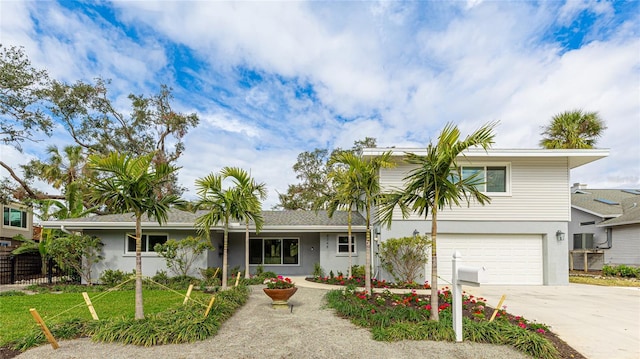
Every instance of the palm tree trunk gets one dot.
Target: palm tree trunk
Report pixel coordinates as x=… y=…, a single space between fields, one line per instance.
x=349 y=243
x=138 y=294
x=246 y=252
x=224 y=255
x=434 y=266
x=367 y=268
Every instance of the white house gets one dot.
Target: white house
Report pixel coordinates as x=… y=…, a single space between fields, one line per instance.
x=521 y=236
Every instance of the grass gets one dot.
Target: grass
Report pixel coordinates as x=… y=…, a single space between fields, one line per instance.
x=604 y=281
x=16 y=321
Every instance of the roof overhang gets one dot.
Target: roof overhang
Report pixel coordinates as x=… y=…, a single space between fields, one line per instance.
x=575 y=157
x=79 y=226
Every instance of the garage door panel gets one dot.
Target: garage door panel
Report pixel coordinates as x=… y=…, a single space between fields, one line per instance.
x=509 y=259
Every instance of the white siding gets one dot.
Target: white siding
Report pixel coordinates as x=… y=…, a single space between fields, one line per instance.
x=625 y=246
x=539 y=192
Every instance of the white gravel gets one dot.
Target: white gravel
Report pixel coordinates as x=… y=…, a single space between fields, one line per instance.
x=257 y=331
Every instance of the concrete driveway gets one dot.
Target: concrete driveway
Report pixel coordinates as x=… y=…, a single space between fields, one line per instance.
x=599 y=322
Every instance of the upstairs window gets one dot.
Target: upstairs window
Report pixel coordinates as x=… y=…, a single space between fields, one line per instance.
x=13 y=217
x=489 y=179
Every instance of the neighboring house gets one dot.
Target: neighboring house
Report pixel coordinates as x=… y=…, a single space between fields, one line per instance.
x=520 y=237
x=605 y=226
x=16 y=219
x=290 y=243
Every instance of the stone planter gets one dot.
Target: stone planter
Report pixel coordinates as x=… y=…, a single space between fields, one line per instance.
x=280 y=297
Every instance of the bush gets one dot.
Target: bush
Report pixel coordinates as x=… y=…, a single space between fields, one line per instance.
x=357 y=271
x=112 y=278
x=404 y=258
x=180 y=255
x=622 y=270
x=317 y=270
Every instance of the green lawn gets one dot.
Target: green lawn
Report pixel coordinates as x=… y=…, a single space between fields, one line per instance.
x=605 y=281
x=16 y=320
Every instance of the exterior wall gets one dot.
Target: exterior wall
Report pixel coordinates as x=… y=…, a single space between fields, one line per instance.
x=116 y=257
x=595 y=261
x=555 y=253
x=538 y=192
x=625 y=246
x=331 y=260
x=8 y=232
x=309 y=252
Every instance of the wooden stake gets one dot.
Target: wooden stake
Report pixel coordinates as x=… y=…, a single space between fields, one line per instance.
x=92 y=310
x=186 y=298
x=237 y=279
x=213 y=298
x=493 y=316
x=44 y=328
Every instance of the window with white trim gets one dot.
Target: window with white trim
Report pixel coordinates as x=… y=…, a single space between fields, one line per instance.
x=489 y=179
x=274 y=251
x=13 y=217
x=149 y=240
x=343 y=244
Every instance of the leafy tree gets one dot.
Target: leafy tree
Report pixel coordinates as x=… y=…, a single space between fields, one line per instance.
x=363 y=175
x=37 y=247
x=226 y=204
x=405 y=257
x=77 y=252
x=22 y=89
x=316 y=188
x=128 y=183
x=573 y=129
x=181 y=254
x=436 y=182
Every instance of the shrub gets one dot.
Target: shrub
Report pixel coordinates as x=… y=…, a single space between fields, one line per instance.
x=357 y=271
x=180 y=255
x=76 y=252
x=404 y=258
x=621 y=271
x=317 y=270
x=112 y=278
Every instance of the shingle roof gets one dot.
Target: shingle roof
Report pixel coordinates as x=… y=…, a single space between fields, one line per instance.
x=271 y=218
x=630 y=214
x=592 y=200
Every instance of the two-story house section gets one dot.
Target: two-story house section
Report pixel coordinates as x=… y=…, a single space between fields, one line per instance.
x=521 y=236
x=16 y=219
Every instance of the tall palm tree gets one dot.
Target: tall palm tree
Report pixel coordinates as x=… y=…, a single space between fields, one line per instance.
x=435 y=183
x=133 y=184
x=364 y=178
x=346 y=197
x=239 y=202
x=573 y=129
x=251 y=193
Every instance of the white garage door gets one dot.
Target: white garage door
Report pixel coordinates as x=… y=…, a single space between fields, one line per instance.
x=509 y=259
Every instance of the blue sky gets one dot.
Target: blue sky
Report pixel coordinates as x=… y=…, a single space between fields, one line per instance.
x=272 y=79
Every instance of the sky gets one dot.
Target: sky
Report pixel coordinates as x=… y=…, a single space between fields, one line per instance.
x=270 y=80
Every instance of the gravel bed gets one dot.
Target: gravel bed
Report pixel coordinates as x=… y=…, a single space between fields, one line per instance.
x=307 y=330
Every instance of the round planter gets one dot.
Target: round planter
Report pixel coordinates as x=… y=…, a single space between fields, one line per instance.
x=280 y=297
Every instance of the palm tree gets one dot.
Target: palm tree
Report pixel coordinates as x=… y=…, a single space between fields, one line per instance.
x=239 y=202
x=364 y=181
x=133 y=184
x=251 y=193
x=346 y=197
x=573 y=129
x=437 y=182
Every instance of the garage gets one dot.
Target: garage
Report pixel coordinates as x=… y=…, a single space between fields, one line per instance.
x=509 y=259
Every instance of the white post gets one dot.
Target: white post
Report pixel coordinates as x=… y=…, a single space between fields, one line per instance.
x=457 y=297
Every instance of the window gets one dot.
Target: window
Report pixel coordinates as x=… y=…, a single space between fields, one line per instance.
x=587 y=223
x=15 y=217
x=489 y=179
x=343 y=244
x=148 y=242
x=274 y=251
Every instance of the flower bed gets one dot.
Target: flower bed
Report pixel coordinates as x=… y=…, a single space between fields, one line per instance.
x=359 y=282
x=394 y=316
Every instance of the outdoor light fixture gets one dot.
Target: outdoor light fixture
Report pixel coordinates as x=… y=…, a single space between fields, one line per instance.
x=415 y=232
x=560 y=235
